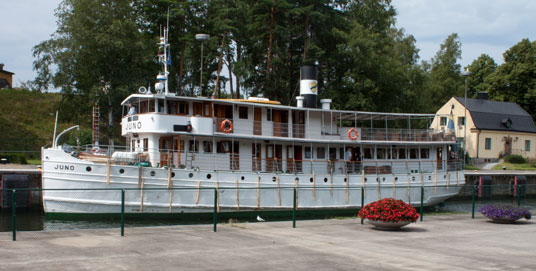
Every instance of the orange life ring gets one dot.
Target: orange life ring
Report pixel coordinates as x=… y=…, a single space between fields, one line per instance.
x=352 y=131
x=226 y=123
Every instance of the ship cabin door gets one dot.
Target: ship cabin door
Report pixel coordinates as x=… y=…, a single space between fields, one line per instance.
x=298 y=124
x=439 y=156
x=294 y=157
x=276 y=118
x=257 y=121
x=256 y=161
x=274 y=158
x=223 y=112
x=170 y=151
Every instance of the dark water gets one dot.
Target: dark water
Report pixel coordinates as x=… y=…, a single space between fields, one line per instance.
x=35 y=220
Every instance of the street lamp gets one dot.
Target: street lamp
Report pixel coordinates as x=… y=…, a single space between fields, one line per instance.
x=202 y=38
x=466 y=73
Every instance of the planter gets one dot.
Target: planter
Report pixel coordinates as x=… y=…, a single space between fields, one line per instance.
x=388 y=226
x=504 y=220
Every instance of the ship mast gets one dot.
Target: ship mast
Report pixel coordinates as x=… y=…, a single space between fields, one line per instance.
x=164 y=58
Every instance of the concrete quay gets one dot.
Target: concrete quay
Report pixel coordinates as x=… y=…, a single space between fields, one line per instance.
x=441 y=242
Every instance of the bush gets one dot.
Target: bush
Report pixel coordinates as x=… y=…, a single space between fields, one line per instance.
x=515 y=159
x=14 y=158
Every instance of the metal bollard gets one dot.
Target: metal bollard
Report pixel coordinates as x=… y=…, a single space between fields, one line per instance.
x=473 y=202
x=362 y=201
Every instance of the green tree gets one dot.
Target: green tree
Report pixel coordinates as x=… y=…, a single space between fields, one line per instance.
x=481 y=70
x=445 y=79
x=515 y=79
x=97 y=55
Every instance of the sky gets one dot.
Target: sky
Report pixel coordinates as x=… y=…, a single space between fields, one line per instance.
x=483 y=26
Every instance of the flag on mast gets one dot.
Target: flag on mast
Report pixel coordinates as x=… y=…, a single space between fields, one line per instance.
x=450 y=123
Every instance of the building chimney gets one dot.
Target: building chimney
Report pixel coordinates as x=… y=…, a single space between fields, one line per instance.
x=482 y=95
x=1 y=66
x=308 y=85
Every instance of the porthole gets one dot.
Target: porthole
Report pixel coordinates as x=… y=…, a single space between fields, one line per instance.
x=274 y=179
x=88 y=169
x=242 y=178
x=365 y=179
x=345 y=180
x=377 y=180
x=383 y=179
x=46 y=157
x=121 y=171
x=172 y=174
x=209 y=176
x=190 y=175
x=396 y=178
x=311 y=179
x=413 y=178
x=429 y=178
x=153 y=173
x=325 y=180
x=444 y=176
x=297 y=179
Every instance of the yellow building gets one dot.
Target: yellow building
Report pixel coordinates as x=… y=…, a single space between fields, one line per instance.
x=6 y=78
x=494 y=128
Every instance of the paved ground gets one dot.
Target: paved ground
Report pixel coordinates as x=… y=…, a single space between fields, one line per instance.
x=448 y=242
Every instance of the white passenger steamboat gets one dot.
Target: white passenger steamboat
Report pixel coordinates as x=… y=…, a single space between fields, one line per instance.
x=252 y=154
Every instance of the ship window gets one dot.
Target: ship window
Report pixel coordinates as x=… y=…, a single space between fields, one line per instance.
x=269 y=114
x=183 y=108
x=380 y=153
x=307 y=152
x=172 y=107
x=181 y=146
x=443 y=121
x=133 y=145
x=193 y=146
x=243 y=112
x=341 y=153
x=413 y=153
x=145 y=144
x=320 y=153
x=332 y=153
x=368 y=153
x=402 y=153
x=207 y=146
x=198 y=109
x=425 y=153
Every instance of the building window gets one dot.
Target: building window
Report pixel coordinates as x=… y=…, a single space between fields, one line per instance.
x=146 y=144
x=320 y=153
x=243 y=112
x=443 y=121
x=307 y=152
x=527 y=145
x=461 y=121
x=488 y=143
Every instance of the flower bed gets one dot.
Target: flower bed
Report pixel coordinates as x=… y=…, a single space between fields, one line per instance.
x=389 y=210
x=499 y=212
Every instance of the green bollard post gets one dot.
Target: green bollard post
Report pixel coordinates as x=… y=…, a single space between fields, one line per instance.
x=215 y=209
x=122 y=212
x=422 y=202
x=14 y=215
x=294 y=210
x=362 y=201
x=518 y=195
x=473 y=202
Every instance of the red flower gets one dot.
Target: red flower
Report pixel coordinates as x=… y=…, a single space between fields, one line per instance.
x=389 y=210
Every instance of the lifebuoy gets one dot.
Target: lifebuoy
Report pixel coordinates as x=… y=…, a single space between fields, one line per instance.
x=226 y=126
x=354 y=132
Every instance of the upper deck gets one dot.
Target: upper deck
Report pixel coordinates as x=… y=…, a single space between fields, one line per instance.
x=170 y=114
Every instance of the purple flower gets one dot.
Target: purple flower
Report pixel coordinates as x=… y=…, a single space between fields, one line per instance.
x=505 y=211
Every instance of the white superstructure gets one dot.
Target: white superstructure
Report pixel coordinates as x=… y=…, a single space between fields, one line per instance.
x=255 y=152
